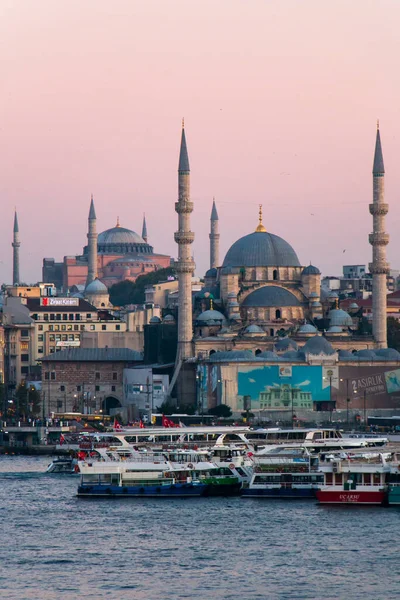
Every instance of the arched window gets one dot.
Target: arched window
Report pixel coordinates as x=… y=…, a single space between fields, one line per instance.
x=258 y=351
x=275 y=274
x=271 y=332
x=211 y=352
x=277 y=314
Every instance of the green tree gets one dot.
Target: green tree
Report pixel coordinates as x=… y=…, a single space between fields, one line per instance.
x=393 y=333
x=222 y=410
x=27 y=401
x=132 y=292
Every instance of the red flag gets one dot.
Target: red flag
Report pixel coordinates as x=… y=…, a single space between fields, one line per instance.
x=165 y=421
x=117 y=426
x=141 y=424
x=62 y=439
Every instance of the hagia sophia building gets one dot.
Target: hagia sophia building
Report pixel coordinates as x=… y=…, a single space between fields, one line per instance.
x=119 y=253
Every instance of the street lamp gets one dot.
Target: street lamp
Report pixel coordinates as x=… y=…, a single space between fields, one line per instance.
x=347 y=400
x=365 y=410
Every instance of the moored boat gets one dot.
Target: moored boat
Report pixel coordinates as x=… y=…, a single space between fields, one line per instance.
x=62 y=464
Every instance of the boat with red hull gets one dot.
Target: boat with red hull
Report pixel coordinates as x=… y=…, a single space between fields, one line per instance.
x=325 y=496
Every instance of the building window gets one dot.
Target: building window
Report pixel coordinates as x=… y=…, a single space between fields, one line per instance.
x=64 y=337
x=63 y=328
x=47 y=375
x=97 y=375
x=78 y=388
x=77 y=317
x=71 y=317
x=103 y=327
x=62 y=388
x=113 y=388
x=53 y=375
x=24 y=370
x=52 y=317
x=24 y=333
x=40 y=337
x=25 y=357
x=82 y=328
x=46 y=317
x=58 y=316
x=65 y=317
x=76 y=327
x=51 y=349
x=117 y=327
x=34 y=316
x=59 y=404
x=70 y=337
x=69 y=327
x=56 y=328
x=97 y=388
x=92 y=327
x=115 y=376
x=40 y=350
x=51 y=327
x=89 y=316
x=40 y=327
x=52 y=337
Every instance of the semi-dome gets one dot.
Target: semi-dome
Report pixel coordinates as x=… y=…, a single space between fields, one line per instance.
x=154 y=320
x=354 y=306
x=311 y=270
x=169 y=319
x=261 y=249
x=96 y=287
x=317 y=345
x=232 y=355
x=388 y=353
x=268 y=355
x=271 y=295
x=340 y=318
x=307 y=328
x=345 y=355
x=335 y=329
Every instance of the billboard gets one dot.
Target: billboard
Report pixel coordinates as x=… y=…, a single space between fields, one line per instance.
x=59 y=301
x=281 y=387
x=369 y=387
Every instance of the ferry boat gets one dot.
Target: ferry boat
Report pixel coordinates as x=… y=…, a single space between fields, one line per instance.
x=284 y=472
x=393 y=481
x=359 y=480
x=179 y=464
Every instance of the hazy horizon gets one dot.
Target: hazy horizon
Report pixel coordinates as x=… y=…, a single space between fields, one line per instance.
x=280 y=101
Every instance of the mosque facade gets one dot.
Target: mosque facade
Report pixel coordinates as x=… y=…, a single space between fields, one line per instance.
x=115 y=254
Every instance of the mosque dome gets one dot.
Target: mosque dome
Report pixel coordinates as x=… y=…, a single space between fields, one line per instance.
x=96 y=287
x=354 y=306
x=388 y=353
x=307 y=328
x=232 y=356
x=119 y=240
x=271 y=295
x=285 y=343
x=254 y=329
x=211 y=272
x=340 y=318
x=169 y=319
x=311 y=270
x=211 y=315
x=268 y=355
x=154 y=320
x=335 y=329
x=261 y=249
x=317 y=345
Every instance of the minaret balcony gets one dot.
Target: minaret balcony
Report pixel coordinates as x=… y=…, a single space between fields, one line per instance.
x=184 y=206
x=379 y=268
x=184 y=266
x=379 y=208
x=184 y=237
x=378 y=239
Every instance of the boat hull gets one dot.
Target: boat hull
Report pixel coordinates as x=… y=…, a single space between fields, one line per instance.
x=227 y=489
x=142 y=491
x=351 y=497
x=393 y=495
x=280 y=492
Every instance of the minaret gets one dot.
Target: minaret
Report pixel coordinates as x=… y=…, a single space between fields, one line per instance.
x=16 y=245
x=144 y=229
x=185 y=265
x=214 y=238
x=92 y=244
x=379 y=268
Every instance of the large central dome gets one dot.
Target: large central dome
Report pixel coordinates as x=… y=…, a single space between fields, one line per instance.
x=119 y=235
x=261 y=249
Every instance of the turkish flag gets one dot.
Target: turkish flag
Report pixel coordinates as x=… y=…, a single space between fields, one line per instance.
x=141 y=424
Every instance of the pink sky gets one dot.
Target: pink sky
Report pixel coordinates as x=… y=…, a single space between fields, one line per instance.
x=280 y=100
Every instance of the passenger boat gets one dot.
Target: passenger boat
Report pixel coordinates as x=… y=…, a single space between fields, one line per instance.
x=124 y=483
x=359 y=480
x=393 y=481
x=62 y=464
x=284 y=472
x=179 y=464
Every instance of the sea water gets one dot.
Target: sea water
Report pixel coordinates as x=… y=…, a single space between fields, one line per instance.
x=57 y=546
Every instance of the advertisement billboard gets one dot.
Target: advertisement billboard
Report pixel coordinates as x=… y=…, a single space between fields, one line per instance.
x=59 y=301
x=369 y=387
x=277 y=387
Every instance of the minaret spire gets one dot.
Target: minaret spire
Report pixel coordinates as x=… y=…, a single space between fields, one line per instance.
x=185 y=265
x=92 y=243
x=16 y=245
x=144 y=229
x=214 y=237
x=379 y=268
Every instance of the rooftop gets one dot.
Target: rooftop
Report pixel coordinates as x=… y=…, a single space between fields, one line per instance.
x=94 y=355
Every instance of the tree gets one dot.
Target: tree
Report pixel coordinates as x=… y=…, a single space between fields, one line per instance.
x=393 y=333
x=27 y=401
x=222 y=410
x=132 y=292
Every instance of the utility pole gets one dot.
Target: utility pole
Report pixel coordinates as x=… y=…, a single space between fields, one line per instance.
x=365 y=410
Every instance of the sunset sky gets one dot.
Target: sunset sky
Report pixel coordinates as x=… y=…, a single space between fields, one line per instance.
x=280 y=99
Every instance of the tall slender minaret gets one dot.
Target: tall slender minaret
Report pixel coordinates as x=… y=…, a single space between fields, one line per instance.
x=214 y=238
x=185 y=265
x=16 y=245
x=379 y=268
x=92 y=244
x=144 y=229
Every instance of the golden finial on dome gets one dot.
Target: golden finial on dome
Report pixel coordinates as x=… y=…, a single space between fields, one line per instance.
x=211 y=304
x=260 y=227
x=118 y=225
